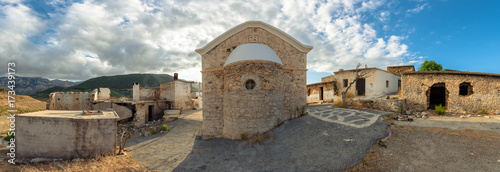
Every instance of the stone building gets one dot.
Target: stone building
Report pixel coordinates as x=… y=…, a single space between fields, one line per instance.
x=254 y=78
x=147 y=103
x=322 y=92
x=460 y=92
x=76 y=100
x=179 y=92
x=377 y=83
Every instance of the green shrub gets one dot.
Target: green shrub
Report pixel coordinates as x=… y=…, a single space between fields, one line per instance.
x=392 y=122
x=440 y=109
x=381 y=144
x=164 y=127
x=7 y=138
x=302 y=110
x=153 y=131
x=243 y=136
x=483 y=111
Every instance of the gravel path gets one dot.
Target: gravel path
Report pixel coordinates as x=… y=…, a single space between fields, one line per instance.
x=165 y=151
x=307 y=143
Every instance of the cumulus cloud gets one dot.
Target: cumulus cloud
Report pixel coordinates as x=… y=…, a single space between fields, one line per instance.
x=95 y=38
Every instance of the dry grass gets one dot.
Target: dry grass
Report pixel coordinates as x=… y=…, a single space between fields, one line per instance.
x=24 y=104
x=108 y=163
x=260 y=138
x=340 y=104
x=369 y=163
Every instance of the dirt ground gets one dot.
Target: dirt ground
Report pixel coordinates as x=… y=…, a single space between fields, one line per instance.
x=434 y=149
x=109 y=163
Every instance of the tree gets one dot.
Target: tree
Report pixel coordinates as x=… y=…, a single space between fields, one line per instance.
x=430 y=66
x=360 y=74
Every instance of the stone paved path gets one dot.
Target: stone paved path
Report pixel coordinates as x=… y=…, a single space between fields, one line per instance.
x=350 y=117
x=163 y=152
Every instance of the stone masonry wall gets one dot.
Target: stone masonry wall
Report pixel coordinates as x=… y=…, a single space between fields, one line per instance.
x=350 y=76
x=399 y=69
x=486 y=91
x=167 y=91
x=68 y=101
x=252 y=111
x=313 y=91
x=328 y=78
x=183 y=98
x=213 y=114
x=294 y=76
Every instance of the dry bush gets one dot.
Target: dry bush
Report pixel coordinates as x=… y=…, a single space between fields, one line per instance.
x=260 y=138
x=340 y=104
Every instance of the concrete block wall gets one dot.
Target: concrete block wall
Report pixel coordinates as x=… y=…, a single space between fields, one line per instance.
x=64 y=136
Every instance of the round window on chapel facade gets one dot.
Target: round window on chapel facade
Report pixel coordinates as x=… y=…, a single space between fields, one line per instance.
x=250 y=84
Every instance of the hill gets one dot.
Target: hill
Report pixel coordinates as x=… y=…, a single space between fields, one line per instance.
x=120 y=85
x=23 y=104
x=29 y=85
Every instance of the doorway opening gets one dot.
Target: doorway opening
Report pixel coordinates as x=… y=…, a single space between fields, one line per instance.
x=437 y=95
x=320 y=93
x=150 y=113
x=360 y=86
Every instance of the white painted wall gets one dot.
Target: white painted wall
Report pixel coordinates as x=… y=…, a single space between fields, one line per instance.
x=380 y=84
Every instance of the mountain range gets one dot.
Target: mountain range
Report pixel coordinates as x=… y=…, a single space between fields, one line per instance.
x=119 y=85
x=29 y=85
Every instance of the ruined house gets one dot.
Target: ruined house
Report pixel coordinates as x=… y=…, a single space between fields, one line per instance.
x=147 y=104
x=377 y=83
x=254 y=78
x=459 y=92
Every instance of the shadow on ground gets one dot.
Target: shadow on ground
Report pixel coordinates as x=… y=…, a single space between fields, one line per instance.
x=302 y=144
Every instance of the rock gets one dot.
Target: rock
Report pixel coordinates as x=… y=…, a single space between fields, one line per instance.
x=408 y=112
x=497 y=113
x=461 y=116
x=424 y=117
x=76 y=160
x=468 y=115
x=487 y=117
x=39 y=160
x=424 y=113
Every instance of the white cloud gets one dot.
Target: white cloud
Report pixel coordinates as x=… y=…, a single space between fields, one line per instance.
x=419 y=8
x=95 y=38
x=384 y=16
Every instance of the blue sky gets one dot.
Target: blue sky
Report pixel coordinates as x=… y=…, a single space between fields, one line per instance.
x=459 y=34
x=78 y=40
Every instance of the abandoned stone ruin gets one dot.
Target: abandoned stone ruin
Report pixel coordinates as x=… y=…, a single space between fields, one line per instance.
x=146 y=105
x=377 y=83
x=459 y=92
x=254 y=78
